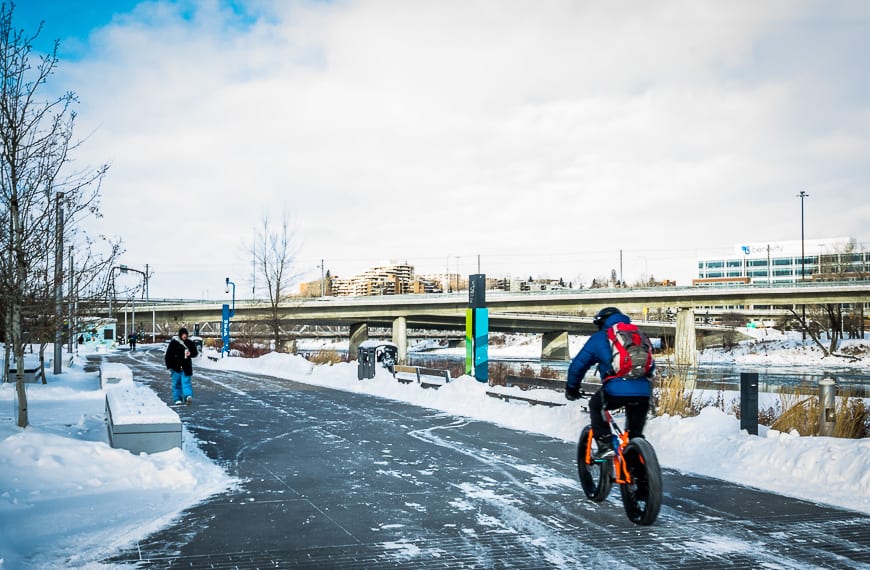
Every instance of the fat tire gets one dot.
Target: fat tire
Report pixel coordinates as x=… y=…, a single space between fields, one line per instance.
x=643 y=497
x=595 y=477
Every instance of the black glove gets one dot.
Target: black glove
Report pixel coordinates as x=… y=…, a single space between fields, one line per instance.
x=572 y=393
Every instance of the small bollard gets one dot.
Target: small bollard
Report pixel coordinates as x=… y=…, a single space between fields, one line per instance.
x=749 y=402
x=827 y=410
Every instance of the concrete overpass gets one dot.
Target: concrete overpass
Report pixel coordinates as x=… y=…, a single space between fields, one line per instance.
x=555 y=314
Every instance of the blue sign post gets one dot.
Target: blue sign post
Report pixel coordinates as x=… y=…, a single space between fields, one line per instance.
x=477 y=329
x=226 y=313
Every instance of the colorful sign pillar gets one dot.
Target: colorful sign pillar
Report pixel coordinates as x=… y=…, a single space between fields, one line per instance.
x=477 y=329
x=226 y=313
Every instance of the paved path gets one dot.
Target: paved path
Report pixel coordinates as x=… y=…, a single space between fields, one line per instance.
x=333 y=479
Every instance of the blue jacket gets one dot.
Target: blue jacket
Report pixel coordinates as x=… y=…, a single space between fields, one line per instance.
x=597 y=351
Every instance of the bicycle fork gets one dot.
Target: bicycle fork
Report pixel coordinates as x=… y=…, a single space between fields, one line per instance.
x=620 y=440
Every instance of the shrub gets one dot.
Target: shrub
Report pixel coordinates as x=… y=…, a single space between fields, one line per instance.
x=671 y=397
x=802 y=412
x=249 y=350
x=498 y=372
x=329 y=357
x=547 y=372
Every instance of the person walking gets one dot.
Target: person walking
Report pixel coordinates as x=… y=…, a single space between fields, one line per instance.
x=177 y=358
x=132 y=340
x=631 y=391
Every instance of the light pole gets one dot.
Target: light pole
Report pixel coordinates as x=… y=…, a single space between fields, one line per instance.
x=322 y=279
x=803 y=195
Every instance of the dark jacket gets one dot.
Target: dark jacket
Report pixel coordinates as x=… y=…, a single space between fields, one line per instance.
x=174 y=357
x=597 y=351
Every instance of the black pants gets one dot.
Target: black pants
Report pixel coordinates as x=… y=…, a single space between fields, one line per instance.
x=636 y=408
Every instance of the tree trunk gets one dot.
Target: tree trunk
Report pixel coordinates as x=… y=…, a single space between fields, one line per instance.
x=42 y=362
x=23 y=420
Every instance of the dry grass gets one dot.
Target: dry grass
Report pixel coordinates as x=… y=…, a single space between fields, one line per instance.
x=249 y=350
x=547 y=372
x=852 y=418
x=498 y=372
x=802 y=413
x=671 y=397
x=329 y=357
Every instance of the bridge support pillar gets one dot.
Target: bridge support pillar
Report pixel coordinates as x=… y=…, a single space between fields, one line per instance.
x=400 y=338
x=359 y=333
x=554 y=346
x=685 y=345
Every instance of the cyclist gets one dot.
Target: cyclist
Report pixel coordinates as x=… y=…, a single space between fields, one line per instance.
x=633 y=394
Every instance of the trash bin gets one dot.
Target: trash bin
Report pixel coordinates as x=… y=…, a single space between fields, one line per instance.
x=371 y=352
x=365 y=361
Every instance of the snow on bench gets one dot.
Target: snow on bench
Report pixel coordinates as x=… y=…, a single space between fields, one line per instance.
x=141 y=422
x=425 y=377
x=113 y=373
x=31 y=371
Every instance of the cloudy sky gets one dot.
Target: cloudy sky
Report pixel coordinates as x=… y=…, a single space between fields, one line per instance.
x=542 y=136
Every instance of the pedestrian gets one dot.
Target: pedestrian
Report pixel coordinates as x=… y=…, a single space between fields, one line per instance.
x=177 y=358
x=631 y=392
x=132 y=340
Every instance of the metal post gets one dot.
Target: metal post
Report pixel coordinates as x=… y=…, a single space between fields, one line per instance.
x=827 y=409
x=58 y=286
x=803 y=195
x=749 y=402
x=70 y=304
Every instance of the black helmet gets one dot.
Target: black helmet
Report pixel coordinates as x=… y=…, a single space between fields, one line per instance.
x=603 y=315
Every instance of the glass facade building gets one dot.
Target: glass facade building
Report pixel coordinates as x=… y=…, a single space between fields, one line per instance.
x=773 y=263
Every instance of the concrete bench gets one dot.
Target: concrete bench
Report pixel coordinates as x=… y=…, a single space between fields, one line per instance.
x=113 y=373
x=31 y=370
x=141 y=422
x=425 y=377
x=544 y=391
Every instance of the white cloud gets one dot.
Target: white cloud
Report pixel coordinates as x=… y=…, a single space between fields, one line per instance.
x=422 y=130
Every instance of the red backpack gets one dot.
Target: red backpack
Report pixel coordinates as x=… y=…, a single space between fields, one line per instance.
x=632 y=351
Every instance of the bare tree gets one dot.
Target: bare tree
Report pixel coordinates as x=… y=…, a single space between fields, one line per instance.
x=36 y=144
x=274 y=255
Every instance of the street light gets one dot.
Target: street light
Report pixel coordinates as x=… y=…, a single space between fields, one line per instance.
x=322 y=278
x=803 y=195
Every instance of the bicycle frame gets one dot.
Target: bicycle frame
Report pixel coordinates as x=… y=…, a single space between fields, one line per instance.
x=620 y=470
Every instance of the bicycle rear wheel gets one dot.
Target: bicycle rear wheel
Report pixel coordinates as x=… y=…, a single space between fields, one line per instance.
x=595 y=477
x=642 y=497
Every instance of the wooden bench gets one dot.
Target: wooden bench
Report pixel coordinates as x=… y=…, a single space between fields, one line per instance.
x=141 y=422
x=406 y=374
x=533 y=384
x=425 y=377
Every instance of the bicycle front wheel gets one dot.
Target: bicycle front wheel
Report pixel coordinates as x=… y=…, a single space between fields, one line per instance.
x=642 y=497
x=594 y=475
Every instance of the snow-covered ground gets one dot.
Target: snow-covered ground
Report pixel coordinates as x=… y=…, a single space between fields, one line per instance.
x=68 y=499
